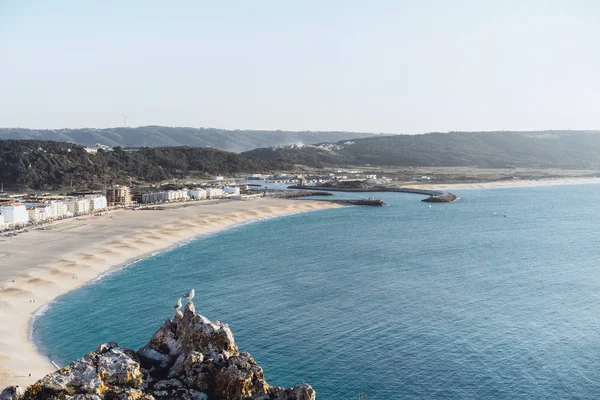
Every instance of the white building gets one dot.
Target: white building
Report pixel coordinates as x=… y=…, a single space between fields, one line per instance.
x=39 y=211
x=98 y=203
x=60 y=209
x=98 y=146
x=1 y=221
x=37 y=214
x=15 y=214
x=217 y=178
x=232 y=190
x=79 y=206
x=197 y=194
x=420 y=178
x=213 y=193
x=177 y=195
x=165 y=196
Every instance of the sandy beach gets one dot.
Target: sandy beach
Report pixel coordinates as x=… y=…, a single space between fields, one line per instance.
x=507 y=183
x=40 y=265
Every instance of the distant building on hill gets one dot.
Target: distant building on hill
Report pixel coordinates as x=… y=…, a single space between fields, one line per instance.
x=118 y=195
x=98 y=146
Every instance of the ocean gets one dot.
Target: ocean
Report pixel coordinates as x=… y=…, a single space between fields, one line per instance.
x=407 y=301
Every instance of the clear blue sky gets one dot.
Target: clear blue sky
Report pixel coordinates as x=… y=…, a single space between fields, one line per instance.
x=378 y=66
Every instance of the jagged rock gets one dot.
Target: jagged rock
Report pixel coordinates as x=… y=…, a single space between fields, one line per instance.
x=300 y=392
x=109 y=371
x=242 y=376
x=188 y=358
x=12 y=393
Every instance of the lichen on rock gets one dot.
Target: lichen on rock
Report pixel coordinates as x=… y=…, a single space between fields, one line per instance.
x=189 y=358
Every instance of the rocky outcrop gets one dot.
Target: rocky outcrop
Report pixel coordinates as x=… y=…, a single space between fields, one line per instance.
x=445 y=197
x=189 y=358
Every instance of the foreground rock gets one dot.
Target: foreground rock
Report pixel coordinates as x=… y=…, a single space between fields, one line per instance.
x=189 y=358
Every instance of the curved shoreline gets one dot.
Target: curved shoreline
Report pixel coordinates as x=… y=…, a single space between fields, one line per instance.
x=114 y=269
x=41 y=266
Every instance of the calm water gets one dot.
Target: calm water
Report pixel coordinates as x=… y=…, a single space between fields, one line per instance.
x=400 y=302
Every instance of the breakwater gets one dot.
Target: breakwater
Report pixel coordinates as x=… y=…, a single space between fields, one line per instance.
x=286 y=194
x=355 y=202
x=435 y=196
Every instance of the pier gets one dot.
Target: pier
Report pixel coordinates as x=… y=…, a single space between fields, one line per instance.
x=355 y=202
x=435 y=196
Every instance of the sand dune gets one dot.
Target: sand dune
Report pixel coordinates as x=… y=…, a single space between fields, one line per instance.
x=47 y=263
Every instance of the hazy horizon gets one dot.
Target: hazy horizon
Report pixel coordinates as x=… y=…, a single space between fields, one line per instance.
x=386 y=67
x=315 y=130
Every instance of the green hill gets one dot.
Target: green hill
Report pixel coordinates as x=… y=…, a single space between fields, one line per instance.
x=542 y=149
x=46 y=165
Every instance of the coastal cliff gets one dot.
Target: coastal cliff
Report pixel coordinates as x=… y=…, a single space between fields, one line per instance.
x=189 y=358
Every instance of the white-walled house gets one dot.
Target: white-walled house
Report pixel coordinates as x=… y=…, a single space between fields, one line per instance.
x=98 y=203
x=60 y=209
x=79 y=206
x=177 y=195
x=213 y=193
x=39 y=211
x=15 y=214
x=197 y=193
x=232 y=190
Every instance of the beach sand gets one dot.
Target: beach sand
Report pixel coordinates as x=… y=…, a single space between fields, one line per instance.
x=40 y=265
x=506 y=183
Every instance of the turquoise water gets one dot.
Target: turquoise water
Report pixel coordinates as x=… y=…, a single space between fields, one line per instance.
x=399 y=302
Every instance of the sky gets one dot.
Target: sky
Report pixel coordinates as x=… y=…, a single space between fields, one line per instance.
x=363 y=66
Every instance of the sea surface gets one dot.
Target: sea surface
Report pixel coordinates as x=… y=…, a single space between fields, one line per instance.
x=397 y=302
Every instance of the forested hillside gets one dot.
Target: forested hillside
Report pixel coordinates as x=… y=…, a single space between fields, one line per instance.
x=544 y=149
x=163 y=136
x=51 y=165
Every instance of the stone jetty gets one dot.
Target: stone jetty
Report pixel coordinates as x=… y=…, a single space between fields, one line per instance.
x=435 y=196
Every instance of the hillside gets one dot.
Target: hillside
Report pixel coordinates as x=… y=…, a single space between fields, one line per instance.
x=162 y=136
x=542 y=149
x=51 y=165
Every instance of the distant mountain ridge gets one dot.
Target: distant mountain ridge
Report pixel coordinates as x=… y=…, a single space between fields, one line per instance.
x=163 y=136
x=501 y=149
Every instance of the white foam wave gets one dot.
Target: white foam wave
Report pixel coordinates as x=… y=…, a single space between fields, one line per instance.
x=32 y=328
